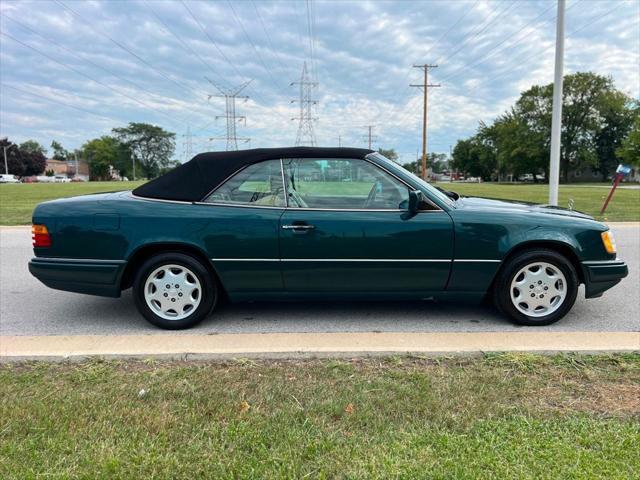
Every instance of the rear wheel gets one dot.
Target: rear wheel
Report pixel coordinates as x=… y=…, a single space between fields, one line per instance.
x=537 y=287
x=174 y=291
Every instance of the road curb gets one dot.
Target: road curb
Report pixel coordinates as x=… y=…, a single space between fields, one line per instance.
x=302 y=345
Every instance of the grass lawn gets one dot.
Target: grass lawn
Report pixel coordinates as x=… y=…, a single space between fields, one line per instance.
x=499 y=416
x=18 y=201
x=625 y=205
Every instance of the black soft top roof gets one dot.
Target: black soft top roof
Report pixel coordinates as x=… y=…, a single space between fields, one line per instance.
x=191 y=181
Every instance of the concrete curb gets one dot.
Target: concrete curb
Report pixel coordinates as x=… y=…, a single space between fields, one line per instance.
x=300 y=345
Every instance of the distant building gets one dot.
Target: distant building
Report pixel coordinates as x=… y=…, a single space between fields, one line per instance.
x=68 y=168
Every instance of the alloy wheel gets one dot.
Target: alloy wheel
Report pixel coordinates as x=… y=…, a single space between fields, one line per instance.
x=538 y=289
x=173 y=292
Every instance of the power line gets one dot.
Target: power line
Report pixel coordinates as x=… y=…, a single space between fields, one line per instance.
x=91 y=78
x=464 y=68
x=64 y=104
x=268 y=36
x=255 y=50
x=217 y=47
x=181 y=40
x=90 y=62
x=467 y=12
x=482 y=29
x=125 y=48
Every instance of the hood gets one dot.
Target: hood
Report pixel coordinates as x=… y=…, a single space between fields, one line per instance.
x=513 y=205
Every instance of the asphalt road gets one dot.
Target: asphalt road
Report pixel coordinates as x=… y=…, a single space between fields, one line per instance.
x=29 y=308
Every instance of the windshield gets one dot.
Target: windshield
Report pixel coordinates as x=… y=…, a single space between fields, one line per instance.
x=433 y=191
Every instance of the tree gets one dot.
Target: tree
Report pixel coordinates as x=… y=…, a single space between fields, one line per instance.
x=34 y=162
x=14 y=158
x=59 y=153
x=629 y=151
x=519 y=148
x=595 y=119
x=438 y=162
x=151 y=146
x=586 y=97
x=31 y=146
x=476 y=156
x=105 y=153
x=390 y=153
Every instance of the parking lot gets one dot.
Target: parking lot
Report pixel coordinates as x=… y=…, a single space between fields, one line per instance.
x=29 y=308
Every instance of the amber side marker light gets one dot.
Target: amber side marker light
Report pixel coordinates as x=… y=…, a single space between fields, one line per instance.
x=40 y=236
x=608 y=241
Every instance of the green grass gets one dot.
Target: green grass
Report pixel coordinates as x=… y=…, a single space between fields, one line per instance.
x=501 y=416
x=18 y=201
x=625 y=205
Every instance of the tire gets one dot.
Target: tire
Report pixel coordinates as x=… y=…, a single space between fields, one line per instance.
x=536 y=287
x=174 y=291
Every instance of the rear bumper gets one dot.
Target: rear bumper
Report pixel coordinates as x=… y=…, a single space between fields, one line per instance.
x=600 y=276
x=92 y=277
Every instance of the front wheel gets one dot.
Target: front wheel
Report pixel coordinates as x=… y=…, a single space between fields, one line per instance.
x=174 y=291
x=537 y=287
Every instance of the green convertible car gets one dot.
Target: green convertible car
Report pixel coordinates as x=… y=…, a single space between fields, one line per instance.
x=316 y=223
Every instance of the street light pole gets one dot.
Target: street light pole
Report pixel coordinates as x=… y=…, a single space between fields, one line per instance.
x=4 y=150
x=556 y=115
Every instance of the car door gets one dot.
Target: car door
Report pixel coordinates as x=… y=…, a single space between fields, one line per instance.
x=241 y=237
x=347 y=230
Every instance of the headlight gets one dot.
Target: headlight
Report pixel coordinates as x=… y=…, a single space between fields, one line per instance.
x=608 y=241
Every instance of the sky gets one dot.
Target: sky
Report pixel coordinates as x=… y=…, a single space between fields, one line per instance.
x=73 y=70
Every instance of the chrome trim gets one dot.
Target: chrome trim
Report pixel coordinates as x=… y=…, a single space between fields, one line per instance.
x=298 y=227
x=79 y=260
x=245 y=260
x=616 y=261
x=160 y=200
x=474 y=260
x=405 y=260
x=238 y=205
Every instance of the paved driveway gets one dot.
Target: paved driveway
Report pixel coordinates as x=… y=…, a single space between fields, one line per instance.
x=29 y=308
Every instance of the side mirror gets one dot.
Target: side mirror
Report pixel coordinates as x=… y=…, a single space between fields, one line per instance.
x=415 y=200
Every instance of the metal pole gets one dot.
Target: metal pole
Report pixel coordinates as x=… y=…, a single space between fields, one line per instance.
x=6 y=168
x=556 y=116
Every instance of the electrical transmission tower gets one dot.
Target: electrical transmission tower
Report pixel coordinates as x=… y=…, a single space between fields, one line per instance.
x=306 y=135
x=187 y=144
x=230 y=95
x=425 y=86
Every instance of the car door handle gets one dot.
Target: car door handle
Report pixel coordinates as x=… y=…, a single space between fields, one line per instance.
x=298 y=227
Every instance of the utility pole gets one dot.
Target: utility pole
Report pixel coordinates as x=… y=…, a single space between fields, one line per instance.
x=230 y=95
x=305 y=135
x=556 y=115
x=370 y=138
x=425 y=86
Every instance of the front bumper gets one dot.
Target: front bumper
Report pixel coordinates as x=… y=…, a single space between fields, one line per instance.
x=92 y=277
x=600 y=276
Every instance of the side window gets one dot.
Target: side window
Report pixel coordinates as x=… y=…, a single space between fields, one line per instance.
x=258 y=184
x=342 y=183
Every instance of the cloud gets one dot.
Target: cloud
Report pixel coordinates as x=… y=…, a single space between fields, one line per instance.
x=151 y=61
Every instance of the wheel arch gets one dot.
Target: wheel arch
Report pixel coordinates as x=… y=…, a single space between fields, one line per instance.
x=563 y=248
x=144 y=252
